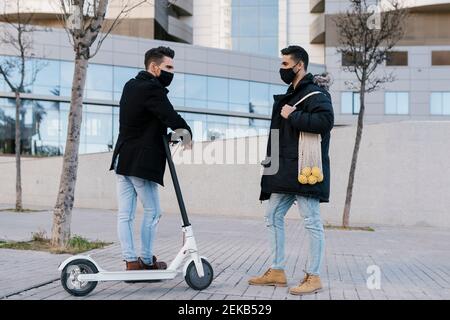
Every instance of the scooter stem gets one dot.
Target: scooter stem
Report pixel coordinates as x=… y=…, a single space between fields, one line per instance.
x=176 y=184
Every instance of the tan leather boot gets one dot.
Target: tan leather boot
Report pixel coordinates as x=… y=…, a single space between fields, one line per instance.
x=310 y=284
x=272 y=277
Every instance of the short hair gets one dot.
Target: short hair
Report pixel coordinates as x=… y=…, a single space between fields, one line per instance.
x=298 y=53
x=157 y=55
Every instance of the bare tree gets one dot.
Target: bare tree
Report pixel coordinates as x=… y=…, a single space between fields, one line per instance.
x=366 y=39
x=17 y=34
x=84 y=22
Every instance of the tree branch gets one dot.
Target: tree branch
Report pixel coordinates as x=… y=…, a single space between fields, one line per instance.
x=122 y=14
x=365 y=48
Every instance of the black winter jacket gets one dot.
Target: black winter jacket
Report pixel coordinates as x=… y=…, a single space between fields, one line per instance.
x=145 y=115
x=315 y=115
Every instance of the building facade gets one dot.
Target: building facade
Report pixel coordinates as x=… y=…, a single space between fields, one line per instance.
x=227 y=60
x=221 y=93
x=169 y=20
x=421 y=90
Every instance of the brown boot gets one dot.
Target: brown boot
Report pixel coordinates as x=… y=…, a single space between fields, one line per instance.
x=310 y=284
x=133 y=265
x=156 y=265
x=272 y=277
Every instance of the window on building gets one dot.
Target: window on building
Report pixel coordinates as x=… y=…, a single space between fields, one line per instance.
x=47 y=79
x=239 y=95
x=397 y=58
x=440 y=58
x=195 y=90
x=217 y=93
x=259 y=98
x=254 y=26
x=121 y=75
x=99 y=82
x=176 y=90
x=440 y=103
x=350 y=59
x=350 y=103
x=65 y=78
x=396 y=103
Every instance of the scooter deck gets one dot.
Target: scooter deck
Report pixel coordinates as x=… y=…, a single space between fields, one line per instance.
x=129 y=275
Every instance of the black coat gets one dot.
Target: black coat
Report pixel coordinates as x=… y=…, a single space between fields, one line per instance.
x=145 y=115
x=315 y=115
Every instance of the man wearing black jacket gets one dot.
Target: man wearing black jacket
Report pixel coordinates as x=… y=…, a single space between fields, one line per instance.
x=314 y=115
x=139 y=159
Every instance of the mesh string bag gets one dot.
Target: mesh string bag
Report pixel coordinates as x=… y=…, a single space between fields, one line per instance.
x=309 y=158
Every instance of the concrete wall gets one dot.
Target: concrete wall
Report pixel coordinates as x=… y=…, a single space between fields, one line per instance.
x=403 y=178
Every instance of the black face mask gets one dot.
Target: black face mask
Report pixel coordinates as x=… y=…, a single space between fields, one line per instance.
x=165 y=78
x=288 y=75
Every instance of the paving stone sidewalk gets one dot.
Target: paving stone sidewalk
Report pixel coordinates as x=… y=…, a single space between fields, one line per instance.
x=414 y=262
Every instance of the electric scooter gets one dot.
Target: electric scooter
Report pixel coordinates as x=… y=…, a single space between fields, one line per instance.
x=80 y=274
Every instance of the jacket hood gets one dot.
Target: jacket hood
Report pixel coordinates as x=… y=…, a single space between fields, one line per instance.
x=323 y=80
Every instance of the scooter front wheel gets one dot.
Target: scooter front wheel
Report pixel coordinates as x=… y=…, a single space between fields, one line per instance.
x=194 y=280
x=69 y=277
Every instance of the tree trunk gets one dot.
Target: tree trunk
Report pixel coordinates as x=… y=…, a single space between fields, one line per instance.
x=62 y=213
x=351 y=177
x=19 y=206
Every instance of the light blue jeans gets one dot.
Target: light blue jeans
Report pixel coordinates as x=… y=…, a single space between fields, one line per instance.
x=128 y=190
x=309 y=209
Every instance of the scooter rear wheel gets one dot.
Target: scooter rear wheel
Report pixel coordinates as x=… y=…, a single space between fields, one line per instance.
x=69 y=277
x=194 y=281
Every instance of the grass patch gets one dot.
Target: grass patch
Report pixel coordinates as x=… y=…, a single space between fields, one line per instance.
x=21 y=211
x=40 y=242
x=331 y=227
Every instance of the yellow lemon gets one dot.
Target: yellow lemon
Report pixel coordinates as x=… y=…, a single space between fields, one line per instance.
x=312 y=180
x=302 y=179
x=315 y=171
x=306 y=171
x=320 y=178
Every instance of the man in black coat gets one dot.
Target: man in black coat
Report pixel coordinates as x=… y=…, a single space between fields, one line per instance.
x=282 y=187
x=139 y=159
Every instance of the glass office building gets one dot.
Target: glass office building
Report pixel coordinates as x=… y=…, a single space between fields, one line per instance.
x=44 y=121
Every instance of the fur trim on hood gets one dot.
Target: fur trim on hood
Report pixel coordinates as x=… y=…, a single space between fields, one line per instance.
x=323 y=80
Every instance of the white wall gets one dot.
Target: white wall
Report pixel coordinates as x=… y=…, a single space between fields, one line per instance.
x=402 y=178
x=297 y=21
x=212 y=23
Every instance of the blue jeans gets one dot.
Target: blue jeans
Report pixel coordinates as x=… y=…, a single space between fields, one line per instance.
x=309 y=209
x=128 y=190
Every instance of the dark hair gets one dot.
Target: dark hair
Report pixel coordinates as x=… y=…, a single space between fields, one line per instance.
x=298 y=53
x=157 y=55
